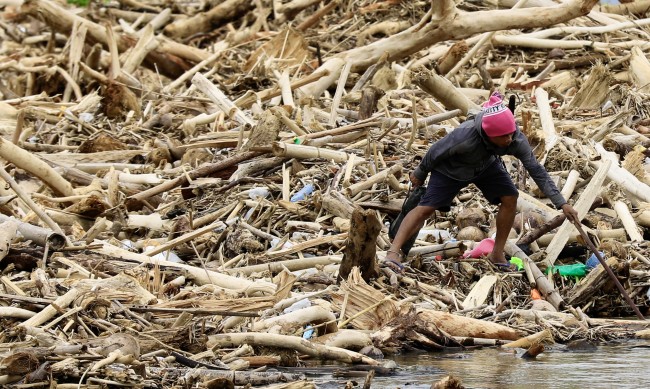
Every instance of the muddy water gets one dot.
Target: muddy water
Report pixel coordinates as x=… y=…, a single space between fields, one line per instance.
x=615 y=365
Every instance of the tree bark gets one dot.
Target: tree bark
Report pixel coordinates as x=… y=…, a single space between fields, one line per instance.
x=368 y=104
x=456 y=325
x=223 y=13
x=361 y=246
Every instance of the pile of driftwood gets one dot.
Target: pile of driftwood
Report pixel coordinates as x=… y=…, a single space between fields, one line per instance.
x=197 y=192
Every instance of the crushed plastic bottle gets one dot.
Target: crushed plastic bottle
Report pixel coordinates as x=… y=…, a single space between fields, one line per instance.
x=592 y=262
x=309 y=332
x=259 y=192
x=302 y=193
x=436 y=233
x=286 y=245
x=300 y=304
x=86 y=117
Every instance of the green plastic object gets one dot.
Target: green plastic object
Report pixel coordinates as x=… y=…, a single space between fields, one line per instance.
x=575 y=270
x=518 y=262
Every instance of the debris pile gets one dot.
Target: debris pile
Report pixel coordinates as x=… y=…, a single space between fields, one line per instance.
x=199 y=192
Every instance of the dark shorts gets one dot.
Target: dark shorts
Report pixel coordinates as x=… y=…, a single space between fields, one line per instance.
x=494 y=182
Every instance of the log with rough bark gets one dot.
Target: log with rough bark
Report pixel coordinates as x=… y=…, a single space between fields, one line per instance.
x=456 y=325
x=290 y=342
x=443 y=90
x=338 y=205
x=415 y=328
x=224 y=12
x=361 y=246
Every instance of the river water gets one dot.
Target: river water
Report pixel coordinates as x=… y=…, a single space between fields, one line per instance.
x=614 y=365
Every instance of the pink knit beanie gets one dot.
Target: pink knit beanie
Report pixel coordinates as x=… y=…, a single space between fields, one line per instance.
x=497 y=118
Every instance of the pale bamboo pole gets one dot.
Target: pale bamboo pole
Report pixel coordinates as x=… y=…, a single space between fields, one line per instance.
x=220 y=99
x=546 y=118
x=582 y=207
x=340 y=87
x=570 y=184
x=51 y=310
x=622 y=176
x=289 y=150
x=629 y=224
x=354 y=189
x=31 y=204
x=32 y=164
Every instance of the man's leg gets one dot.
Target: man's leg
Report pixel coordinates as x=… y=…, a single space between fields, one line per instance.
x=505 y=220
x=413 y=222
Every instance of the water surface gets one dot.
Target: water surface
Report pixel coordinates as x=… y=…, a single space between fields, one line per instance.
x=615 y=365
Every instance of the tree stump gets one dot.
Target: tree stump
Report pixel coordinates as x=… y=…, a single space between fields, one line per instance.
x=361 y=246
x=369 y=98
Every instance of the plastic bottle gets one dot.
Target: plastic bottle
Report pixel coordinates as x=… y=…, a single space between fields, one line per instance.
x=302 y=193
x=300 y=304
x=261 y=192
x=309 y=331
x=286 y=245
x=437 y=234
x=592 y=262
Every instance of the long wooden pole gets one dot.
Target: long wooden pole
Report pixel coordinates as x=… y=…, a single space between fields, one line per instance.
x=591 y=246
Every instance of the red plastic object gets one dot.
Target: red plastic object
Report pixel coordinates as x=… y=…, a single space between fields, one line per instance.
x=483 y=248
x=534 y=294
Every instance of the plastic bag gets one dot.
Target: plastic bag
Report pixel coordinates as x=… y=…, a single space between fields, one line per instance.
x=576 y=270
